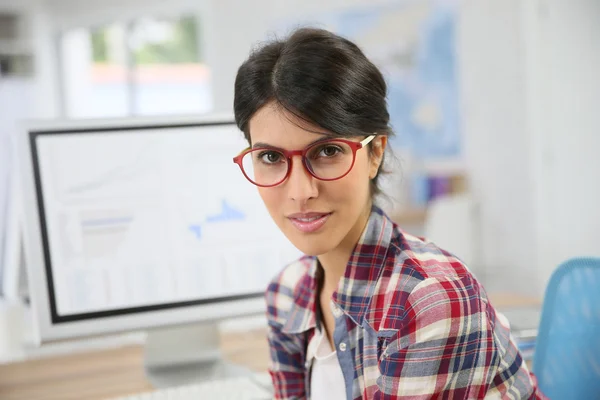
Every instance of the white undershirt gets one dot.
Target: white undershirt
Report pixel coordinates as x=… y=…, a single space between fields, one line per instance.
x=326 y=379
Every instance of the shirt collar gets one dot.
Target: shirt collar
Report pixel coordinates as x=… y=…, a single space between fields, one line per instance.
x=302 y=315
x=358 y=284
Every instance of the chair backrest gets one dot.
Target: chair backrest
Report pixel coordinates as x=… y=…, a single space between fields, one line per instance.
x=567 y=356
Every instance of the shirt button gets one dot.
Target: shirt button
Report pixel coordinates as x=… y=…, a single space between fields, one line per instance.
x=342 y=346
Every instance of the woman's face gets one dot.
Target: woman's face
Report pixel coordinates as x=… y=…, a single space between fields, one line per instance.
x=316 y=216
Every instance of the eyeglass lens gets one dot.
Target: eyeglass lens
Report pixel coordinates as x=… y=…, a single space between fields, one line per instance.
x=325 y=160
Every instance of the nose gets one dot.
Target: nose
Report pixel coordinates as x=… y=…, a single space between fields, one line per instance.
x=301 y=185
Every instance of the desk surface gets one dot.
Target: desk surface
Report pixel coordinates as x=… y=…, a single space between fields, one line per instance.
x=109 y=373
x=119 y=371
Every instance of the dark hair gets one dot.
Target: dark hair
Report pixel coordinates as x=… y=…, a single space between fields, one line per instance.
x=319 y=77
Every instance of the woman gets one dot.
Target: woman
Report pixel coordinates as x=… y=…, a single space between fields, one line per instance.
x=371 y=311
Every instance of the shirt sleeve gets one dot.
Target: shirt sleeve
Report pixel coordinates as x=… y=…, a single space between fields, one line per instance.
x=287 y=370
x=446 y=347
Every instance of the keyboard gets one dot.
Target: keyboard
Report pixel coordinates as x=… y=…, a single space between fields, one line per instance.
x=242 y=388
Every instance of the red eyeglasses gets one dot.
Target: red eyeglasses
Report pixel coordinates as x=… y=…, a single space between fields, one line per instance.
x=326 y=160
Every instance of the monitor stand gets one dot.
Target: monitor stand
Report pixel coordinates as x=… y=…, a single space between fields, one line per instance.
x=177 y=356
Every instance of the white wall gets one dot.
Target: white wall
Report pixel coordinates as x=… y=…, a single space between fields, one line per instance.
x=531 y=86
x=14 y=5
x=16 y=102
x=565 y=78
x=497 y=146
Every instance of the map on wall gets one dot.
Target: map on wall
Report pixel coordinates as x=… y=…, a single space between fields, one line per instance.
x=413 y=43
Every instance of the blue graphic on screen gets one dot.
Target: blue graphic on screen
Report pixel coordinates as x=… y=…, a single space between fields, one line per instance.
x=104 y=222
x=228 y=213
x=196 y=230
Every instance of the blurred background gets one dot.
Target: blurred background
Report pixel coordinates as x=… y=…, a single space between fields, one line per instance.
x=494 y=103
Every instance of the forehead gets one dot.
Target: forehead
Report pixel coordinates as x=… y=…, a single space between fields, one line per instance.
x=275 y=126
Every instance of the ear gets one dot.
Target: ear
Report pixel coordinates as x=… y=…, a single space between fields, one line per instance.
x=378 y=149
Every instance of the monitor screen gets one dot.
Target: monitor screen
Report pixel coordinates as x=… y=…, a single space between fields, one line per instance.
x=144 y=218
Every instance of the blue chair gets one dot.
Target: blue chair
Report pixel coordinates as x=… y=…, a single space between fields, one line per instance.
x=567 y=356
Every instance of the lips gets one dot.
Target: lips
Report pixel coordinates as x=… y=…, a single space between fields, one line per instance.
x=309 y=222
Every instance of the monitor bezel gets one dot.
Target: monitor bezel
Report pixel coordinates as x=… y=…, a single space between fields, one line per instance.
x=49 y=325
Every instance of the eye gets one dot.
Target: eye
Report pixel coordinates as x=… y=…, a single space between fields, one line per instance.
x=270 y=157
x=329 y=150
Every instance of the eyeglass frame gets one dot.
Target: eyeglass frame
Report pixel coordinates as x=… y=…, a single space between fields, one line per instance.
x=288 y=154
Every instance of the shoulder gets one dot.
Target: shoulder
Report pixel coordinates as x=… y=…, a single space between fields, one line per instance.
x=425 y=284
x=287 y=287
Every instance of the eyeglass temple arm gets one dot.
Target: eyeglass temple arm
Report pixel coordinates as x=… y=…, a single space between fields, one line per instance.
x=367 y=140
x=240 y=153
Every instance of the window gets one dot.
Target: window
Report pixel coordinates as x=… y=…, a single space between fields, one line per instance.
x=149 y=66
x=95 y=72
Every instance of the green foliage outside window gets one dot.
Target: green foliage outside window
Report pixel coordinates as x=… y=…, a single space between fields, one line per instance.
x=99 y=46
x=182 y=46
x=179 y=48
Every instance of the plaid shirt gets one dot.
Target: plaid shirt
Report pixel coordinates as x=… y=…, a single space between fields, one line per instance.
x=411 y=322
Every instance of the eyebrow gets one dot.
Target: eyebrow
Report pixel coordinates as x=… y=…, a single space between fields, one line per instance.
x=269 y=146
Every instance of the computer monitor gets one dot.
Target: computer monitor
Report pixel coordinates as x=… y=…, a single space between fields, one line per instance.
x=144 y=224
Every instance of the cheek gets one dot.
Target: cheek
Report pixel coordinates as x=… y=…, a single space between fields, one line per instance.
x=354 y=187
x=270 y=197
x=274 y=200
x=360 y=172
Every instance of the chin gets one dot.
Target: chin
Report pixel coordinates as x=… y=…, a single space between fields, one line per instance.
x=311 y=244
x=312 y=249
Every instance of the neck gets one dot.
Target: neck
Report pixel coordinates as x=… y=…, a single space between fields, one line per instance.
x=334 y=262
